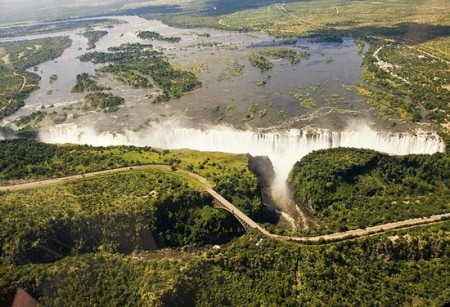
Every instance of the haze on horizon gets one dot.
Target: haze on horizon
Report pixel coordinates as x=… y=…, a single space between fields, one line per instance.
x=40 y=10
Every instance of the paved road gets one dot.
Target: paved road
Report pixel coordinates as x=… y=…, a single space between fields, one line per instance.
x=43 y=183
x=235 y=211
x=338 y=236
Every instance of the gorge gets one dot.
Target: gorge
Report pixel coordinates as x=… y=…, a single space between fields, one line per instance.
x=283 y=148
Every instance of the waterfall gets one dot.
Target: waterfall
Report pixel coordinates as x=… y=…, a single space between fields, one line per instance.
x=283 y=148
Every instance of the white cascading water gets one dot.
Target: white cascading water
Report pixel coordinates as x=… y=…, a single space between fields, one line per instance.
x=283 y=148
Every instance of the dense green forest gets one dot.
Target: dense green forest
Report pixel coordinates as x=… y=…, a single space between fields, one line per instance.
x=102 y=101
x=97 y=242
x=400 y=269
x=130 y=211
x=57 y=251
x=293 y=56
x=16 y=84
x=86 y=82
x=373 y=271
x=30 y=160
x=134 y=65
x=354 y=188
x=259 y=58
x=259 y=61
x=93 y=37
x=51 y=27
x=152 y=35
x=412 y=75
x=134 y=210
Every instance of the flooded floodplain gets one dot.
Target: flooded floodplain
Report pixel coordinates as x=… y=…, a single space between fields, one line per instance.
x=232 y=92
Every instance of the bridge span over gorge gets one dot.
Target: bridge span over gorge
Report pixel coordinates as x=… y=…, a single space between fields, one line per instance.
x=221 y=203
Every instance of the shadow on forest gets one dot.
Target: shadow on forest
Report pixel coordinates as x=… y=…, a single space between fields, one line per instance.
x=156 y=9
x=206 y=8
x=220 y=7
x=411 y=32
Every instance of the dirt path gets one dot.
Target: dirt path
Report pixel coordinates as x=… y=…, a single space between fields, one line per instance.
x=221 y=21
x=303 y=22
x=337 y=236
x=24 y=82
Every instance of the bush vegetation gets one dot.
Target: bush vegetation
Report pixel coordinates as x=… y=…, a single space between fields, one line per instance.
x=86 y=82
x=53 y=78
x=102 y=101
x=93 y=37
x=30 y=160
x=134 y=66
x=16 y=83
x=55 y=251
x=233 y=69
x=293 y=56
x=414 y=80
x=259 y=61
x=354 y=188
x=122 y=212
x=402 y=269
x=152 y=35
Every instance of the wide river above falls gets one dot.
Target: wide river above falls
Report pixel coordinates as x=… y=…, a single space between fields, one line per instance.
x=326 y=76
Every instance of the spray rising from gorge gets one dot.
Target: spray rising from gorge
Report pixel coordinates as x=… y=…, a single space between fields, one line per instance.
x=284 y=148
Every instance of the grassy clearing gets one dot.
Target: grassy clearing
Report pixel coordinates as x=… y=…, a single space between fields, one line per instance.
x=6 y=59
